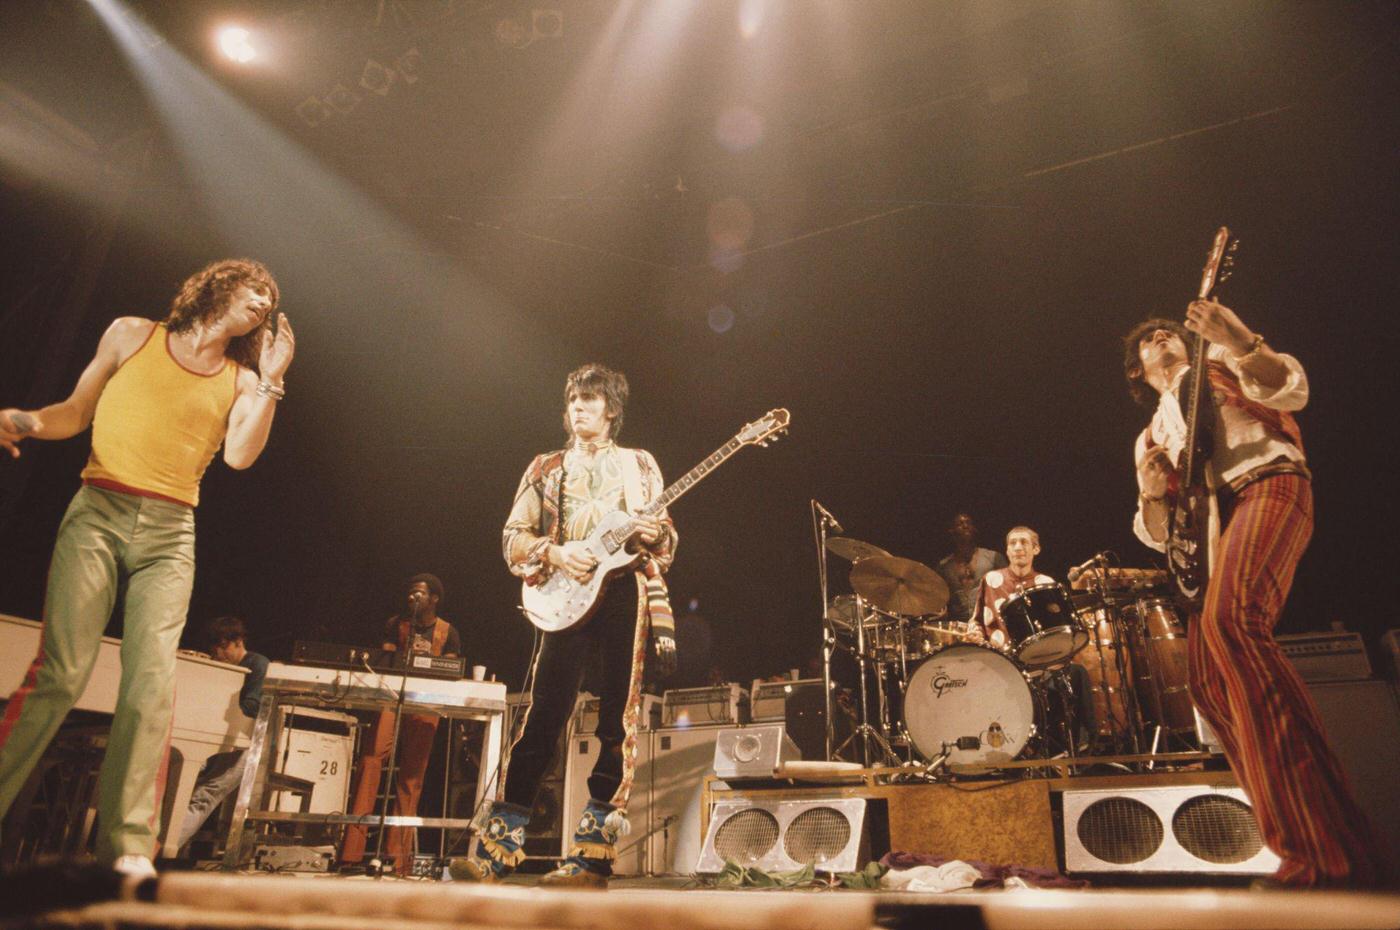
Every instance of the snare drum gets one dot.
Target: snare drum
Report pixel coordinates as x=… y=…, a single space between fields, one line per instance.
x=969 y=690
x=925 y=637
x=1044 y=631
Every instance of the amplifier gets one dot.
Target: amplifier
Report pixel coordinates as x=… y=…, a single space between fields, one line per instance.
x=768 y=699
x=1330 y=656
x=270 y=858
x=339 y=655
x=586 y=713
x=690 y=706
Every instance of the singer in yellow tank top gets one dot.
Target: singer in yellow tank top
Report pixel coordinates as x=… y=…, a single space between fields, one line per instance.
x=158 y=424
x=161 y=398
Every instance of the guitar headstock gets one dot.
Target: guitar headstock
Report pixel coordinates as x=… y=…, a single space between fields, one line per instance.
x=1219 y=262
x=765 y=429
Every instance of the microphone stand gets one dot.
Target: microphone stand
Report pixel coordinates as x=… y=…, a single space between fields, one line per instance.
x=392 y=783
x=820 y=527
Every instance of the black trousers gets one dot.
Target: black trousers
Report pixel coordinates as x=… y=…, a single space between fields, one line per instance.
x=606 y=639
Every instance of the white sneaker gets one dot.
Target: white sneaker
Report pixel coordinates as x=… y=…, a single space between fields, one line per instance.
x=134 y=866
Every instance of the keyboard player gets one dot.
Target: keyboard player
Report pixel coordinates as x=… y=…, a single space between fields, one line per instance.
x=417 y=630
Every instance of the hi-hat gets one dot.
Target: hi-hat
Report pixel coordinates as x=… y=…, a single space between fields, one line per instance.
x=852 y=550
x=901 y=586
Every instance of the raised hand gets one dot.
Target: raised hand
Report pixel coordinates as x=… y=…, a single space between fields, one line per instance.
x=1219 y=324
x=1155 y=472
x=277 y=351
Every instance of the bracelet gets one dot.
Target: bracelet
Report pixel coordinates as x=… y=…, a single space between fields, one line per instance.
x=1255 y=345
x=1148 y=499
x=268 y=389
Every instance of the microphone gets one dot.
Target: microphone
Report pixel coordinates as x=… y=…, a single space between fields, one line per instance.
x=968 y=742
x=835 y=524
x=1074 y=573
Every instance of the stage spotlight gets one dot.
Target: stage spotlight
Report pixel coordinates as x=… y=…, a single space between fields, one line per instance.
x=237 y=44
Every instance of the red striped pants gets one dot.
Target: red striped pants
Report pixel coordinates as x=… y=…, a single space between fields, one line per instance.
x=1259 y=706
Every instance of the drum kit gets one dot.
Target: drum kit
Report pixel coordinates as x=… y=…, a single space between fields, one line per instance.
x=1098 y=667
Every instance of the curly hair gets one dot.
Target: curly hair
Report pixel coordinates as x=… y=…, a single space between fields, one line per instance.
x=1143 y=392
x=432 y=581
x=205 y=296
x=602 y=380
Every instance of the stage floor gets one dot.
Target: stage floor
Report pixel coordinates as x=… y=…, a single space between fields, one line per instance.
x=194 y=900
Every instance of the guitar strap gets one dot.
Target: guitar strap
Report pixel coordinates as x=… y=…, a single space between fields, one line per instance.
x=651 y=597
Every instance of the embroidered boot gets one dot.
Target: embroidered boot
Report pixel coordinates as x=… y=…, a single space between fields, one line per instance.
x=595 y=847
x=501 y=843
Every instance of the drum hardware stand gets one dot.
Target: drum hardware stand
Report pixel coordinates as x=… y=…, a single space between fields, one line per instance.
x=866 y=733
x=937 y=768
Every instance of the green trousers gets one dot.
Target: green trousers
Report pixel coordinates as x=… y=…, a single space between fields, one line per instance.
x=109 y=543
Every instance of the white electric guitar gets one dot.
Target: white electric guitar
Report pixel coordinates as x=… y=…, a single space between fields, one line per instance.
x=561 y=602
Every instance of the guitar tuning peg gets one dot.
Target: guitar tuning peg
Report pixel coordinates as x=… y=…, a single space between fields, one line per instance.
x=1234 y=246
x=1225 y=276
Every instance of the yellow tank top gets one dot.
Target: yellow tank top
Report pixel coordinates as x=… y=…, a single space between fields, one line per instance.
x=158 y=425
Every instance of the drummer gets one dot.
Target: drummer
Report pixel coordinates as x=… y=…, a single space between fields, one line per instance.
x=986 y=625
x=965 y=567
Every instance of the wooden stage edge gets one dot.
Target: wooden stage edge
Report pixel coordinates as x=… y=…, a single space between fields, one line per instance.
x=216 y=902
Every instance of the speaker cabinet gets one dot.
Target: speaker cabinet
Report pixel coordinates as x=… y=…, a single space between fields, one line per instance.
x=785 y=835
x=753 y=751
x=1153 y=830
x=681 y=758
x=1362 y=720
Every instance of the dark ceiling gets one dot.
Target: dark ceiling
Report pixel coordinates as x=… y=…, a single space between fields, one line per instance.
x=921 y=227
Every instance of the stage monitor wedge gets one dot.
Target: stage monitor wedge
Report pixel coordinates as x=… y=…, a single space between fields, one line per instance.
x=1188 y=829
x=780 y=836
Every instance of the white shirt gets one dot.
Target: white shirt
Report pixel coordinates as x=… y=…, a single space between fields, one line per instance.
x=1242 y=443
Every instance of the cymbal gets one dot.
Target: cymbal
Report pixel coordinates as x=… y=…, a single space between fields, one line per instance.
x=901 y=586
x=852 y=550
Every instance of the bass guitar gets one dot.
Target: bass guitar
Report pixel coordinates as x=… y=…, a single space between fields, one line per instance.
x=1189 y=518
x=561 y=602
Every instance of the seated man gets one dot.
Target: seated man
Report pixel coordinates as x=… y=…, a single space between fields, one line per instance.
x=999 y=584
x=222 y=772
x=419 y=630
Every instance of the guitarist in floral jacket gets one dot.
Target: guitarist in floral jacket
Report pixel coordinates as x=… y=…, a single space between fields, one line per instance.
x=562 y=497
x=1260 y=523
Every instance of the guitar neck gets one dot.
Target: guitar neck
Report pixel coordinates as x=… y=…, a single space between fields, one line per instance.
x=1199 y=385
x=693 y=477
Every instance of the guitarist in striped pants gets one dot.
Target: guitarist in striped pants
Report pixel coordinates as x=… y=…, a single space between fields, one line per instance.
x=1240 y=679
x=561 y=499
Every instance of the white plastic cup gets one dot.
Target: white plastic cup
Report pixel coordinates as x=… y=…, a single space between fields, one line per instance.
x=478 y=673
